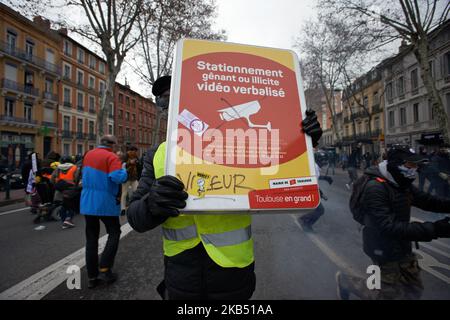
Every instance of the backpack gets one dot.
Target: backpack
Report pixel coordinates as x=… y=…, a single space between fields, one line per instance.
x=357 y=193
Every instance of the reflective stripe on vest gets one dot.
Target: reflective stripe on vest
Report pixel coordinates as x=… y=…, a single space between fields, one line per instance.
x=180 y=234
x=69 y=176
x=228 y=238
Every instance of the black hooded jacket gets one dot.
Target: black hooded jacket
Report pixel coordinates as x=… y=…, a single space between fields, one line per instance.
x=388 y=232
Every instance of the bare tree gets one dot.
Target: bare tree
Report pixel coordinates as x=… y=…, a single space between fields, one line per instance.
x=161 y=27
x=330 y=46
x=109 y=25
x=412 y=21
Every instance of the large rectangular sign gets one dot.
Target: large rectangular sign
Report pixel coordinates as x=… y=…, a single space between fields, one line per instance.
x=234 y=136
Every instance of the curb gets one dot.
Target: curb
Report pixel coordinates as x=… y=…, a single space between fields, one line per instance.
x=11 y=201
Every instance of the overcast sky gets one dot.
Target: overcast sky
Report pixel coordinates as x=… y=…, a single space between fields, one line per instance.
x=269 y=23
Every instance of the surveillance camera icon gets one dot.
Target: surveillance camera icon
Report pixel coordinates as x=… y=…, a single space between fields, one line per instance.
x=244 y=110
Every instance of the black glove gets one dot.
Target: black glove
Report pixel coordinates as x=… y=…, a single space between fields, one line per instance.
x=166 y=196
x=312 y=127
x=442 y=228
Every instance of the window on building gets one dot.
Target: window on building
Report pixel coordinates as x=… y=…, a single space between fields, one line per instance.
x=29 y=49
x=110 y=129
x=80 y=79
x=416 y=112
x=80 y=100
x=80 y=55
x=414 y=80
x=366 y=102
x=133 y=103
x=402 y=116
x=79 y=149
x=11 y=40
x=400 y=86
x=133 y=133
x=127 y=132
x=92 y=62
x=120 y=114
x=447 y=97
x=102 y=87
x=133 y=117
x=9 y=107
x=91 y=103
x=127 y=116
x=376 y=122
x=447 y=64
x=66 y=123
x=91 y=127
x=66 y=149
x=102 y=67
x=127 y=101
x=376 y=98
x=29 y=78
x=67 y=48
x=48 y=85
x=91 y=82
x=430 y=110
x=120 y=98
x=389 y=93
x=391 y=119
x=67 y=71
x=28 y=111
x=67 y=96
x=79 y=125
x=111 y=109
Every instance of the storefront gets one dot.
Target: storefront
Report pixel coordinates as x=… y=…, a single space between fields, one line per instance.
x=15 y=147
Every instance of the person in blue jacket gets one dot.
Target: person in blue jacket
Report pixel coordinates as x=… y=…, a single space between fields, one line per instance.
x=102 y=177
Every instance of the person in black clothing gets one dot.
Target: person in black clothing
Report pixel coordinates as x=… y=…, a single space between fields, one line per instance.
x=191 y=273
x=388 y=233
x=352 y=165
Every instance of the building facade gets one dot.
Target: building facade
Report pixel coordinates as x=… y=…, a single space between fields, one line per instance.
x=135 y=117
x=363 y=118
x=29 y=79
x=82 y=84
x=409 y=115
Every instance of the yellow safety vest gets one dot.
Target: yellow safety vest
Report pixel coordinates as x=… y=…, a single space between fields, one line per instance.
x=226 y=238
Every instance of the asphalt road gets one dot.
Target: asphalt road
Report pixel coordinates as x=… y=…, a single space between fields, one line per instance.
x=290 y=264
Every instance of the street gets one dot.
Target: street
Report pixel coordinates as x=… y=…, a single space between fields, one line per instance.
x=290 y=264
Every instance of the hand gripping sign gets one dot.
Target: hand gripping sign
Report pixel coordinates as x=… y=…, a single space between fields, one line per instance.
x=234 y=135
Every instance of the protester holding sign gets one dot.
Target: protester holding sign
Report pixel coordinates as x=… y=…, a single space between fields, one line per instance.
x=206 y=256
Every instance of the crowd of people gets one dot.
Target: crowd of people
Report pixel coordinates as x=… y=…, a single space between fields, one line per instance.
x=53 y=185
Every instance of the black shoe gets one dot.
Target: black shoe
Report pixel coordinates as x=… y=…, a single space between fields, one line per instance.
x=108 y=277
x=93 y=283
x=306 y=227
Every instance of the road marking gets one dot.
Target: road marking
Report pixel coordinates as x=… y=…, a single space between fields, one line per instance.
x=429 y=261
x=12 y=211
x=40 y=284
x=442 y=253
x=342 y=265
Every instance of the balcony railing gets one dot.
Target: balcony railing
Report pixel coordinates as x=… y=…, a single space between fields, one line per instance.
x=49 y=124
x=92 y=110
x=11 y=119
x=67 y=104
x=67 y=134
x=80 y=135
x=25 y=56
x=80 y=108
x=27 y=89
x=92 y=136
x=49 y=96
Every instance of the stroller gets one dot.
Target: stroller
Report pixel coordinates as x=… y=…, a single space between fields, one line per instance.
x=46 y=192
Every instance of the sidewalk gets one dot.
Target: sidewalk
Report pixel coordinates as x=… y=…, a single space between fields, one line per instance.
x=15 y=195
